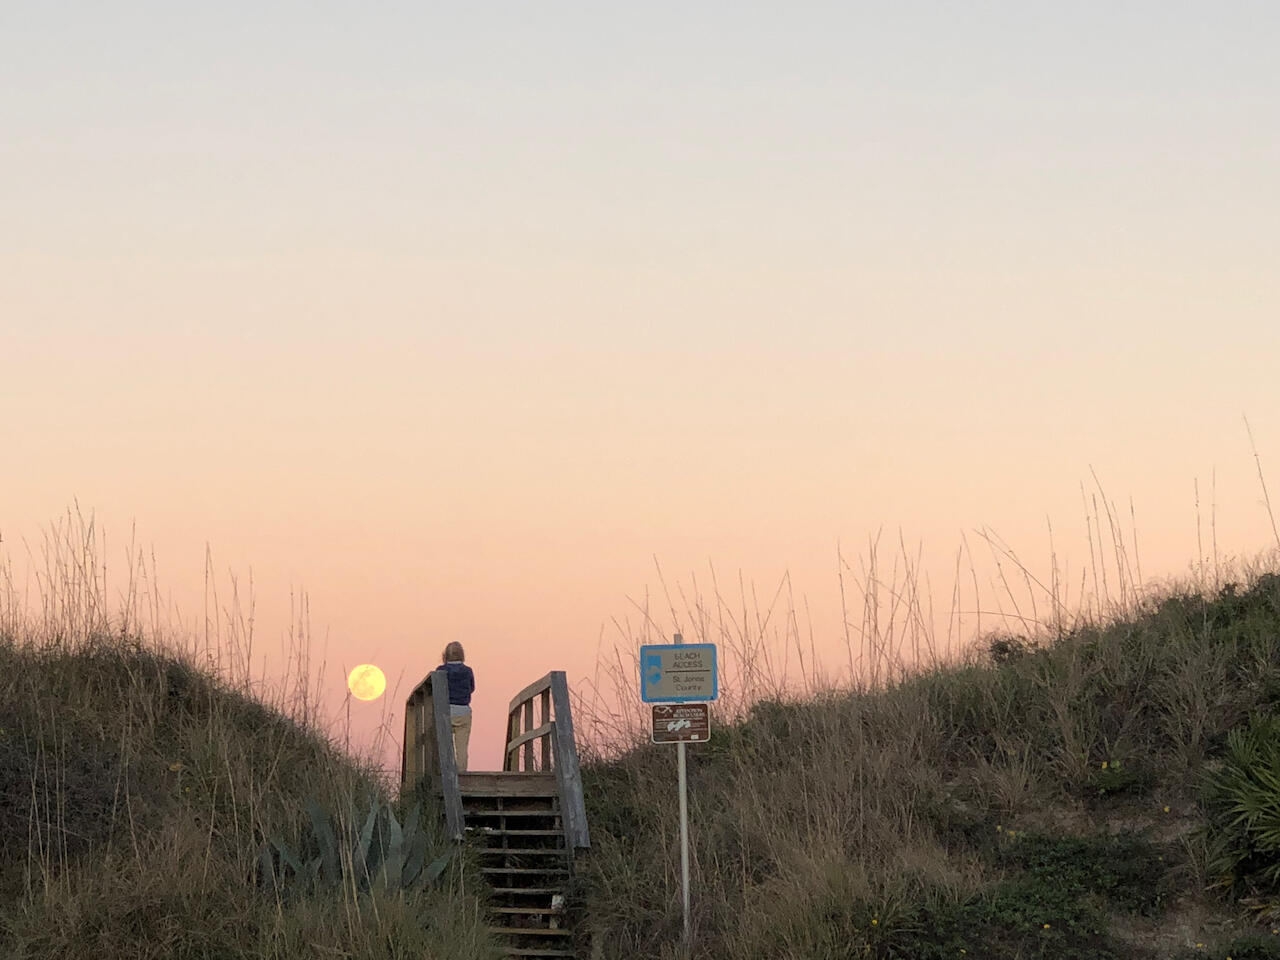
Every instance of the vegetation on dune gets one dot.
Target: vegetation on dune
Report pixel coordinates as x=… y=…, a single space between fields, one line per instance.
x=150 y=810
x=1106 y=793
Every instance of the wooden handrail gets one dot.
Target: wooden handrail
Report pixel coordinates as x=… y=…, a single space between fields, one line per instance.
x=418 y=760
x=544 y=745
x=428 y=746
x=529 y=692
x=524 y=738
x=522 y=732
x=557 y=751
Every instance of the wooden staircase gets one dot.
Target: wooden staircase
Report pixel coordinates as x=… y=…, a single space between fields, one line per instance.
x=514 y=823
x=526 y=823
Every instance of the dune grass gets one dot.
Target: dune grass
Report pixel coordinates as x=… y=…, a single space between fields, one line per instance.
x=1043 y=795
x=1058 y=790
x=139 y=784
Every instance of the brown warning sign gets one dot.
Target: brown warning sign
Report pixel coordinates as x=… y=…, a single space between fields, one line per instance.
x=681 y=723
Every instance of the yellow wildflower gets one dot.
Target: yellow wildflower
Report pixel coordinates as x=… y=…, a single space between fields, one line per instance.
x=175 y=767
x=1104 y=764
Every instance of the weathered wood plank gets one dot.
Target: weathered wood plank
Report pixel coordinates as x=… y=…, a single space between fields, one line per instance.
x=573 y=810
x=528 y=744
x=517 y=742
x=545 y=697
x=513 y=730
x=409 y=771
x=419 y=737
x=452 y=795
x=507 y=784
x=529 y=692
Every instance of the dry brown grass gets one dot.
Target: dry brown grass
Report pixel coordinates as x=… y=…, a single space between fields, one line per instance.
x=141 y=772
x=833 y=815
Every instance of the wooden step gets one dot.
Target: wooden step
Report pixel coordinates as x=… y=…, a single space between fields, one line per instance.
x=531 y=931
x=503 y=831
x=529 y=911
x=546 y=871
x=536 y=952
x=513 y=813
x=521 y=851
x=504 y=784
x=528 y=891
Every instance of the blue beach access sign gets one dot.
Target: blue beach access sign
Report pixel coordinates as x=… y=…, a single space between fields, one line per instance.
x=676 y=672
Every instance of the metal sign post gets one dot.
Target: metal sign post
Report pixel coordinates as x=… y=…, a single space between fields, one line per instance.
x=674 y=674
x=684 y=823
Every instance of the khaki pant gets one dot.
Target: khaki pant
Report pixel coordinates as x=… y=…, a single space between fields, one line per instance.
x=461 y=724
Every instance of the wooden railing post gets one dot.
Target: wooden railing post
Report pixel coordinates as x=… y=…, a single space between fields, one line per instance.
x=449 y=786
x=513 y=731
x=410 y=772
x=546 y=718
x=573 y=810
x=528 y=725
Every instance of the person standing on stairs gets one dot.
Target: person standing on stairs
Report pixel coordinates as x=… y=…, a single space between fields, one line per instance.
x=462 y=683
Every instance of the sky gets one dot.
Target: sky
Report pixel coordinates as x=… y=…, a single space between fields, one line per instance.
x=466 y=319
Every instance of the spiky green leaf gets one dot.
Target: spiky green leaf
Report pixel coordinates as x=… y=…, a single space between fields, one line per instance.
x=436 y=867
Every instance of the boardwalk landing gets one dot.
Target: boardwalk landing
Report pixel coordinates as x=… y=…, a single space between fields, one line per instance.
x=527 y=821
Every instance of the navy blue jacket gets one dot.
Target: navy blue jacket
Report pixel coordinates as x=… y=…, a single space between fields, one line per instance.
x=461 y=682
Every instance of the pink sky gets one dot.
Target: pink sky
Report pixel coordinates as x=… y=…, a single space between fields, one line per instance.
x=457 y=321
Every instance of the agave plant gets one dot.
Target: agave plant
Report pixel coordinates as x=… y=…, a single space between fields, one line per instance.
x=382 y=854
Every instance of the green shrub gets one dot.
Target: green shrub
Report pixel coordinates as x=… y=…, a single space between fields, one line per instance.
x=1242 y=810
x=1125 y=869
x=1020 y=919
x=1115 y=778
x=1053 y=903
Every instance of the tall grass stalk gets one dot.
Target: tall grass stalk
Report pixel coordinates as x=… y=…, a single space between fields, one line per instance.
x=146 y=763
x=862 y=811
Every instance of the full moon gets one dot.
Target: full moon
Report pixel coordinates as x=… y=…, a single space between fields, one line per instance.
x=366 y=682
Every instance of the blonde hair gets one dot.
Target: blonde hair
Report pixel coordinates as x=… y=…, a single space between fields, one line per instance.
x=453 y=652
